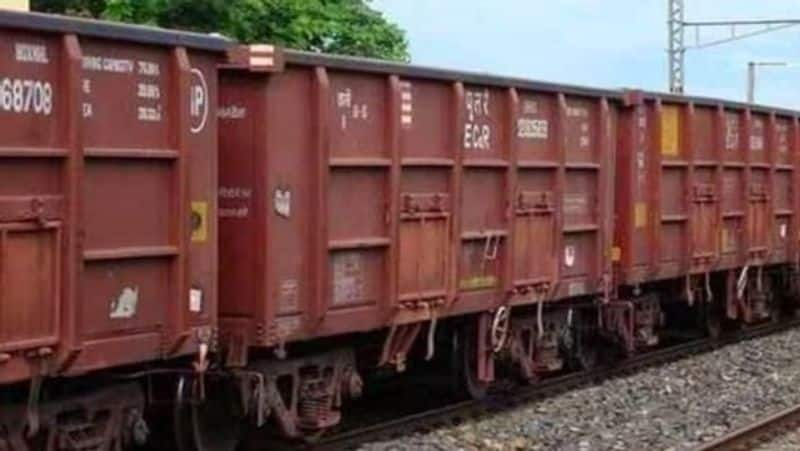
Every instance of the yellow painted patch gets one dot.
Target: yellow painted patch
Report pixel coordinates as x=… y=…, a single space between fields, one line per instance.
x=616 y=254
x=199 y=222
x=639 y=214
x=478 y=283
x=724 y=239
x=670 y=130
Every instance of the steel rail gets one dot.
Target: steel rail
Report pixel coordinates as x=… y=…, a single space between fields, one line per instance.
x=756 y=433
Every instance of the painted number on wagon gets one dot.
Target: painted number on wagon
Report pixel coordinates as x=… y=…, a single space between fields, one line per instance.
x=26 y=96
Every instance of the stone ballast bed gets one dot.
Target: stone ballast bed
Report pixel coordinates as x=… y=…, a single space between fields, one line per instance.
x=671 y=407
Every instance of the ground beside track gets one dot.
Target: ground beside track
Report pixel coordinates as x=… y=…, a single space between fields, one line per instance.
x=677 y=406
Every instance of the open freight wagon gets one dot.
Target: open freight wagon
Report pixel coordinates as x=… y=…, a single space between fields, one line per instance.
x=372 y=216
x=376 y=215
x=707 y=192
x=108 y=255
x=360 y=196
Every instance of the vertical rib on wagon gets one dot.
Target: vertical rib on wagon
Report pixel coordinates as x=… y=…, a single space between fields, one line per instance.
x=320 y=249
x=179 y=115
x=73 y=249
x=393 y=121
x=511 y=188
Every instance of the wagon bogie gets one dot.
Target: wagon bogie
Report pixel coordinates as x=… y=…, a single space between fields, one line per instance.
x=538 y=343
x=303 y=395
x=634 y=323
x=756 y=294
x=110 y=417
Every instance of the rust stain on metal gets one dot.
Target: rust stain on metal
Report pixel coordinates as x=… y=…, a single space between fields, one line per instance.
x=348 y=278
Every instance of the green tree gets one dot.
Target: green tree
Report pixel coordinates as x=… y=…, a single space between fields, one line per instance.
x=350 y=27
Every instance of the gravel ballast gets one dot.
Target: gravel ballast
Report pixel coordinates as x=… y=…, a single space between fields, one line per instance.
x=677 y=406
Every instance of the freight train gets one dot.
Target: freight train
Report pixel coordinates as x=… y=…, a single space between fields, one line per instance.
x=243 y=233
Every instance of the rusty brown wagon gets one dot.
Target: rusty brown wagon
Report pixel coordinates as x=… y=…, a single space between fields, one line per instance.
x=707 y=191
x=364 y=196
x=108 y=253
x=267 y=227
x=367 y=208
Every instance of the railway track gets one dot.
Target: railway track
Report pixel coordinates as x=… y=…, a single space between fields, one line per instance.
x=757 y=433
x=459 y=412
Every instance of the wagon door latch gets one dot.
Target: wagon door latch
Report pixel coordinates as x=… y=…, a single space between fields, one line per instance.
x=490 y=249
x=535 y=203
x=758 y=193
x=39 y=213
x=704 y=197
x=704 y=193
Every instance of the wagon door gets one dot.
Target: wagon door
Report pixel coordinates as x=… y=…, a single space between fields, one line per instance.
x=424 y=246
x=424 y=193
x=757 y=219
x=534 y=238
x=704 y=201
x=30 y=252
x=704 y=198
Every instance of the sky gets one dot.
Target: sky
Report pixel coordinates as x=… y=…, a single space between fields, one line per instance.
x=602 y=43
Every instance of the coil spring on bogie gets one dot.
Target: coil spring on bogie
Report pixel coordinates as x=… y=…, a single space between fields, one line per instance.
x=312 y=409
x=314 y=403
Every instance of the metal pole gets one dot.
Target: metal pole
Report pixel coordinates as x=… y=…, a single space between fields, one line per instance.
x=675 y=47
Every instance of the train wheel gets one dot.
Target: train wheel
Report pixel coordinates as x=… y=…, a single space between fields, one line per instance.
x=464 y=363
x=713 y=326
x=585 y=355
x=212 y=425
x=580 y=343
x=775 y=310
x=713 y=320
